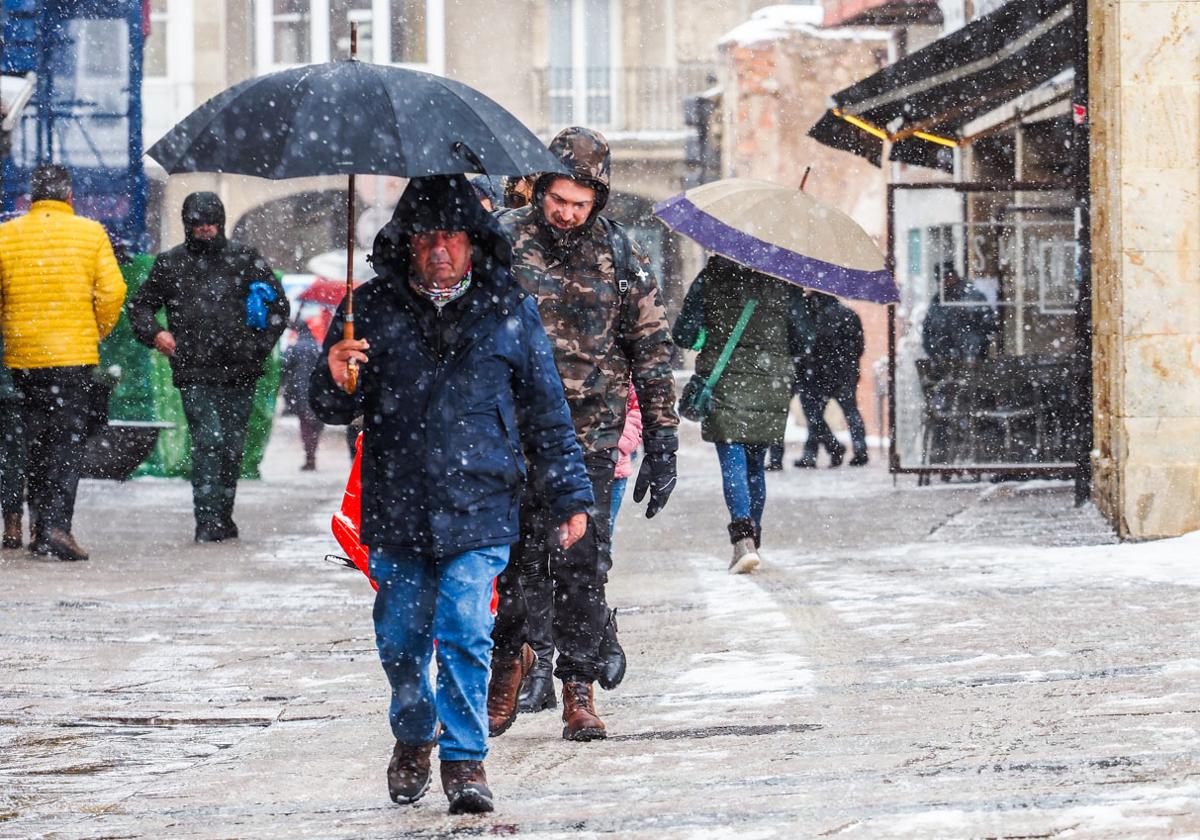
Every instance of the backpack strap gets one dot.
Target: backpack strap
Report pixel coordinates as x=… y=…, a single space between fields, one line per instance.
x=622 y=251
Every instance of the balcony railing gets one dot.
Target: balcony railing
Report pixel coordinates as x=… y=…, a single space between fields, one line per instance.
x=618 y=99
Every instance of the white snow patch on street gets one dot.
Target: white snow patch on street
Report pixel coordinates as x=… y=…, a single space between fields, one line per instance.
x=754 y=663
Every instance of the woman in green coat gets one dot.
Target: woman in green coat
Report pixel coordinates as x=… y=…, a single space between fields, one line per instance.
x=751 y=397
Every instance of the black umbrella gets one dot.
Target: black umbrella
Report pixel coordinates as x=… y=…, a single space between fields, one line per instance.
x=348 y=117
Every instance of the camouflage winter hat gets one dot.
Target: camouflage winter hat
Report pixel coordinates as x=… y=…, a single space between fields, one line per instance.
x=585 y=154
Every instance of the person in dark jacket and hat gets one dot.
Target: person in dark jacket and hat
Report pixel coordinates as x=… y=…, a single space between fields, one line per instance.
x=225 y=310
x=830 y=370
x=457 y=380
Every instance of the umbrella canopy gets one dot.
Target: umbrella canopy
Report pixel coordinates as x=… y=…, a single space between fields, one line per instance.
x=325 y=291
x=348 y=117
x=332 y=265
x=784 y=232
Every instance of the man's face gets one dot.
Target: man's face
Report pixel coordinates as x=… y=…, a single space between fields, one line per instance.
x=567 y=204
x=440 y=257
x=205 y=233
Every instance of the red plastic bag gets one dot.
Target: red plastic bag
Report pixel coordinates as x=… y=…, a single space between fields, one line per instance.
x=346 y=521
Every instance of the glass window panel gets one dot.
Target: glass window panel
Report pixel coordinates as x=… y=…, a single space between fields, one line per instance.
x=154 y=55
x=341 y=14
x=292 y=25
x=410 y=32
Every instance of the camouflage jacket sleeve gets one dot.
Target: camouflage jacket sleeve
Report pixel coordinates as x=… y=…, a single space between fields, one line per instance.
x=646 y=339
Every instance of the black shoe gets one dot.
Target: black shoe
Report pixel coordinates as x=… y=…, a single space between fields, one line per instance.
x=466 y=787
x=836 y=456
x=612 y=656
x=775 y=466
x=860 y=459
x=230 y=529
x=808 y=462
x=537 y=691
x=408 y=772
x=210 y=533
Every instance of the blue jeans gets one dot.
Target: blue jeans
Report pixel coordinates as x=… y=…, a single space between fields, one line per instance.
x=618 y=493
x=743 y=479
x=422 y=598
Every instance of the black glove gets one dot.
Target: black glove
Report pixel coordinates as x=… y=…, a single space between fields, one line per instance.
x=657 y=475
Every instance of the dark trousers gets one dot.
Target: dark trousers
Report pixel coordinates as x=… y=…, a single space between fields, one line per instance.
x=577 y=577
x=217 y=416
x=55 y=415
x=12 y=459
x=813 y=402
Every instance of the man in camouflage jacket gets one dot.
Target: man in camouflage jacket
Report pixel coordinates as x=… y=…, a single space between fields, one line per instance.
x=604 y=314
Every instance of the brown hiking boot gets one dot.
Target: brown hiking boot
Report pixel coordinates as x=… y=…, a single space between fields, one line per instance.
x=581 y=723
x=408 y=772
x=503 y=688
x=466 y=787
x=12 y=531
x=62 y=545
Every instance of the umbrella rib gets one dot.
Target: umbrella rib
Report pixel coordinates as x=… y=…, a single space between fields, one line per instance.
x=196 y=136
x=291 y=126
x=392 y=104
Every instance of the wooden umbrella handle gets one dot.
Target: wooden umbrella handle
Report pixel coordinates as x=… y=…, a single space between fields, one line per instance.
x=348 y=315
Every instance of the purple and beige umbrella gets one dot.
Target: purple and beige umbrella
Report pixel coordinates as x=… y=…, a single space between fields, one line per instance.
x=784 y=232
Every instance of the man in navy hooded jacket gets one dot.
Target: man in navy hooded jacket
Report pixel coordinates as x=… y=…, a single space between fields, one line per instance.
x=457 y=381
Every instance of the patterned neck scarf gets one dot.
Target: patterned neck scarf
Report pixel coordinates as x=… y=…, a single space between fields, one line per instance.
x=440 y=297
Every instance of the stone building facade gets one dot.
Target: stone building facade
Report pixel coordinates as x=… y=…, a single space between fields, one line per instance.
x=1144 y=92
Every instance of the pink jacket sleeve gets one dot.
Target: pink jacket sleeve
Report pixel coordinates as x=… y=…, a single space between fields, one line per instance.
x=631 y=435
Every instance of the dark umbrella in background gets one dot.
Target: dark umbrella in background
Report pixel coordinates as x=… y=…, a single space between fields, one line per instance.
x=348 y=118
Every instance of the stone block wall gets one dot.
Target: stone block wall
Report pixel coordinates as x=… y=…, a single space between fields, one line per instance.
x=1145 y=170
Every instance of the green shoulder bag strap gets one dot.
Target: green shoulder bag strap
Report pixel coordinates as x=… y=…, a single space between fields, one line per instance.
x=730 y=344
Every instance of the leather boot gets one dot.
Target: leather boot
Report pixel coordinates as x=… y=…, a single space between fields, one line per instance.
x=503 y=688
x=408 y=772
x=537 y=691
x=580 y=721
x=612 y=655
x=58 y=543
x=745 y=555
x=466 y=787
x=12 y=530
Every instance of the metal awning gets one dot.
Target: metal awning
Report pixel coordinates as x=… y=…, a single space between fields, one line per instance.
x=920 y=103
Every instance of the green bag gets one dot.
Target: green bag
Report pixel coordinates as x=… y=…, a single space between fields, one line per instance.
x=696 y=401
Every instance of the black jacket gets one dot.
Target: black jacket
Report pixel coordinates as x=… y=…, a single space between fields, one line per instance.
x=450 y=399
x=204 y=292
x=832 y=365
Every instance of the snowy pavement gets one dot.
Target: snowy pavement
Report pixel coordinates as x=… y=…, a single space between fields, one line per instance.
x=962 y=660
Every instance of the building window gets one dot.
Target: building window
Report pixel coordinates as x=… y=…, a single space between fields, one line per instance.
x=291 y=32
x=410 y=32
x=584 y=61
x=154 y=55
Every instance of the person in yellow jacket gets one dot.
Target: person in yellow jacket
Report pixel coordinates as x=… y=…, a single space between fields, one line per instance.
x=61 y=292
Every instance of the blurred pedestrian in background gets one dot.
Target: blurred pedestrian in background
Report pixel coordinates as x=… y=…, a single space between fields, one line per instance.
x=61 y=292
x=750 y=398
x=960 y=322
x=299 y=361
x=829 y=370
x=225 y=310
x=12 y=458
